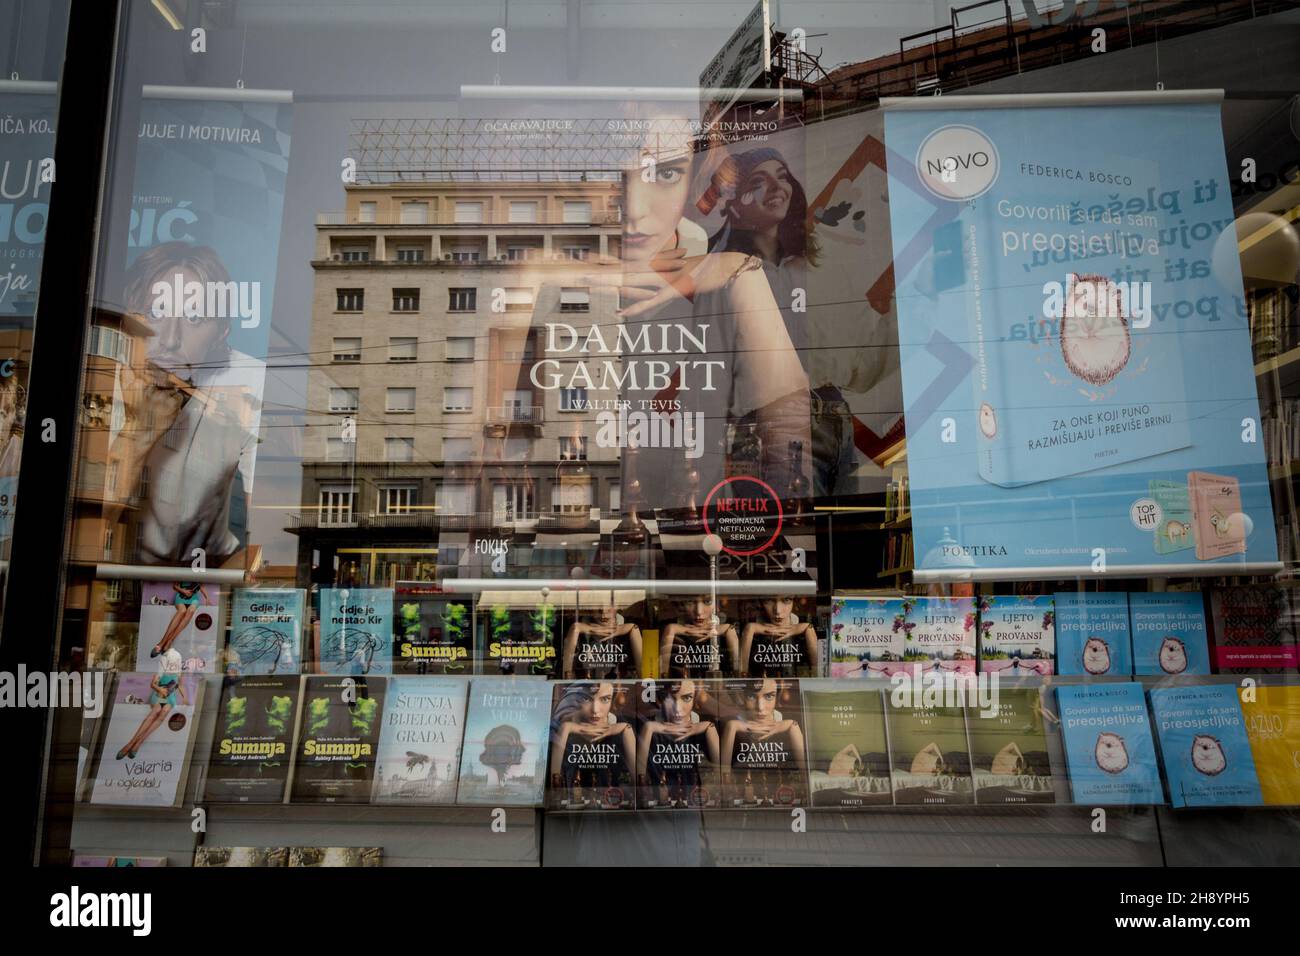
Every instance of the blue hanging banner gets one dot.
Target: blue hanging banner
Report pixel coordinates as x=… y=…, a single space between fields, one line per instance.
x=1079 y=390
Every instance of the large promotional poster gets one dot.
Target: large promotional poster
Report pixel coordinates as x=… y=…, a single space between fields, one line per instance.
x=204 y=236
x=1077 y=373
x=27 y=115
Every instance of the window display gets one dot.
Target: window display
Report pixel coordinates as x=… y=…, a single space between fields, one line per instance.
x=722 y=442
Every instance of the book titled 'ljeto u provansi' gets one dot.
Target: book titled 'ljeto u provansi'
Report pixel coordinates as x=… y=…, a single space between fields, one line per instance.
x=253 y=745
x=1017 y=634
x=1204 y=746
x=1109 y=750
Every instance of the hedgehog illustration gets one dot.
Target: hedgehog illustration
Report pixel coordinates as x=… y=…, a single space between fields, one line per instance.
x=988 y=421
x=1110 y=753
x=1095 y=341
x=1096 y=656
x=1173 y=655
x=1208 y=756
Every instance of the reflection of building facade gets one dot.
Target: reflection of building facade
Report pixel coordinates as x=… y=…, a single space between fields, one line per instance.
x=430 y=308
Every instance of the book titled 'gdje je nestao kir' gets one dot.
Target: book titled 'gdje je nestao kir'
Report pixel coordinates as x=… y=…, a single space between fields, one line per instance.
x=1108 y=399
x=266 y=626
x=338 y=739
x=252 y=748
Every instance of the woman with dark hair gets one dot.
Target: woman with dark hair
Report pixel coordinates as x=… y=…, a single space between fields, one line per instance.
x=715 y=316
x=765 y=215
x=590 y=748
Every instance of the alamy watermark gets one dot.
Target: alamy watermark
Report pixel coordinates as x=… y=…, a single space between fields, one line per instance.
x=55 y=689
x=934 y=688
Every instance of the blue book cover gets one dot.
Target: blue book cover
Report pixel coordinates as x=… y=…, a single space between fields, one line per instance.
x=1092 y=634
x=1207 y=756
x=266 y=627
x=1108 y=746
x=356 y=631
x=1169 y=635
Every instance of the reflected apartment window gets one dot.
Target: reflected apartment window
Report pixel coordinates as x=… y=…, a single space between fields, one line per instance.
x=344 y=399
x=573 y=399
x=456 y=498
x=355 y=254
x=456 y=449
x=575 y=300
x=577 y=212
x=399 y=449
x=518 y=299
x=523 y=212
x=410 y=254
x=347 y=349
x=465 y=253
x=516 y=449
x=572 y=496
x=336 y=449
x=337 y=505
x=400 y=401
x=462 y=300
x=406 y=300
x=403 y=348
x=415 y=213
x=468 y=213
x=578 y=253
x=397 y=499
x=512 y=501
x=367 y=212
x=573 y=448
x=615 y=496
x=460 y=348
x=350 y=300
x=457 y=399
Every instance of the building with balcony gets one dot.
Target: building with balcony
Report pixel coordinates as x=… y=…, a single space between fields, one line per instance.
x=425 y=425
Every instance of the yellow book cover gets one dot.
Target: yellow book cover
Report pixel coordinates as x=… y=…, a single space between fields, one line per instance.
x=1273 y=725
